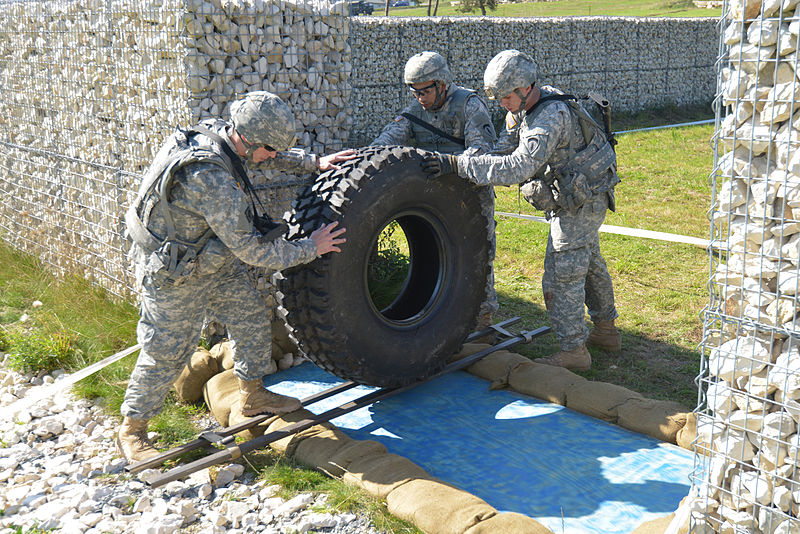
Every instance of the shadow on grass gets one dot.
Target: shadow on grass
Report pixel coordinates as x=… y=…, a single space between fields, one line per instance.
x=656 y=369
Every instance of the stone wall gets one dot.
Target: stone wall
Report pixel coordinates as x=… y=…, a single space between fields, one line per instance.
x=90 y=88
x=750 y=385
x=638 y=63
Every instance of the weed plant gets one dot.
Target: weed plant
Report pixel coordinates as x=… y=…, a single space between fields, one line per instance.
x=35 y=351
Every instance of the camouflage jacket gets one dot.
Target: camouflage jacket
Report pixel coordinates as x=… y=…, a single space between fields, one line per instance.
x=463 y=114
x=205 y=196
x=544 y=139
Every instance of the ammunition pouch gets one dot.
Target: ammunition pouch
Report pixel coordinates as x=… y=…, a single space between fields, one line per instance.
x=573 y=190
x=539 y=194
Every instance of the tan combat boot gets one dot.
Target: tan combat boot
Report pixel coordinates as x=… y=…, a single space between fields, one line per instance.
x=605 y=336
x=576 y=360
x=132 y=441
x=256 y=399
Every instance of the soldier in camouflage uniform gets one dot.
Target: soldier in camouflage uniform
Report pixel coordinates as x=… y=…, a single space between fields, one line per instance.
x=457 y=112
x=192 y=227
x=544 y=147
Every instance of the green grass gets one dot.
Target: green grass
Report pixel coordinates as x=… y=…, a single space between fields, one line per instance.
x=568 y=8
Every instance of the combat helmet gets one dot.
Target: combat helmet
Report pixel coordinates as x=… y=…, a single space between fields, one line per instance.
x=264 y=119
x=426 y=66
x=507 y=71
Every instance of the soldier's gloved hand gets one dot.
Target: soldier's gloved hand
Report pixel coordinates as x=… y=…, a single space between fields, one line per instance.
x=436 y=165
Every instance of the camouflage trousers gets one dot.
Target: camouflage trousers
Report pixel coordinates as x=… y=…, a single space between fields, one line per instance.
x=170 y=321
x=489 y=305
x=575 y=273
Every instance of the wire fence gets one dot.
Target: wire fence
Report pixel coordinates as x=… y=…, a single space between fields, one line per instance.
x=90 y=89
x=747 y=477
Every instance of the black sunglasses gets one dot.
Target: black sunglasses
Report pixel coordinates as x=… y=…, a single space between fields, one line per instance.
x=422 y=91
x=266 y=147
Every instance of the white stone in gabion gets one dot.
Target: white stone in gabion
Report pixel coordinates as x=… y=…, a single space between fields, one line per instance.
x=731 y=194
x=779 y=425
x=759 y=487
x=787 y=527
x=785 y=374
x=735 y=445
x=741 y=420
x=763 y=32
x=782 y=498
x=740 y=356
x=781 y=103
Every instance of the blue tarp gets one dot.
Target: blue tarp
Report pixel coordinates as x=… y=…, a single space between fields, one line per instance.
x=573 y=473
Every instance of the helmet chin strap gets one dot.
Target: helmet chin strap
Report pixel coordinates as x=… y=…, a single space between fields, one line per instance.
x=439 y=94
x=523 y=99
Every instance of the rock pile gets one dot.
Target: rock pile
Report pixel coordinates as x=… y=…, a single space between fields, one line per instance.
x=59 y=470
x=750 y=426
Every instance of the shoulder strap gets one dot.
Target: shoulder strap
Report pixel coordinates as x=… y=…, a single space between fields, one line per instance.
x=583 y=115
x=434 y=129
x=236 y=164
x=263 y=222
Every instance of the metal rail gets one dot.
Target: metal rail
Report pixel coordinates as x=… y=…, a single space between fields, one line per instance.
x=231 y=451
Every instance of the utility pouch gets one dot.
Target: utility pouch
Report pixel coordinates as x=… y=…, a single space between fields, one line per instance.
x=539 y=194
x=573 y=191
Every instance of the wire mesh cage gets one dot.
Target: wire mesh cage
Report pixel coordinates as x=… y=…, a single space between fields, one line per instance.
x=746 y=478
x=89 y=89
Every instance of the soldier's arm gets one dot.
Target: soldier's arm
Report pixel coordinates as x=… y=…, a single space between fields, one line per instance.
x=294 y=159
x=508 y=141
x=479 y=134
x=397 y=132
x=227 y=211
x=537 y=143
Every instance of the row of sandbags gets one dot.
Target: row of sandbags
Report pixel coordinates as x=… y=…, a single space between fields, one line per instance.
x=433 y=505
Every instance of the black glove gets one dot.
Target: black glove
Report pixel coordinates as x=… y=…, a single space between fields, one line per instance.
x=436 y=165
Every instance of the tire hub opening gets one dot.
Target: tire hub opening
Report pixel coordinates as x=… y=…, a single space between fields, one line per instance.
x=407 y=269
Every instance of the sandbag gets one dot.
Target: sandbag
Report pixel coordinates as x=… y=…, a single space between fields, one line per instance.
x=223 y=353
x=220 y=392
x=655 y=526
x=201 y=367
x=354 y=451
x=599 y=399
x=382 y=473
x=436 y=507
x=288 y=445
x=497 y=366
x=659 y=419
x=686 y=436
x=317 y=451
x=509 y=523
x=544 y=382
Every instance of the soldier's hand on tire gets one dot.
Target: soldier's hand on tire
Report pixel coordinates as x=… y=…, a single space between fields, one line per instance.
x=326 y=237
x=326 y=163
x=436 y=165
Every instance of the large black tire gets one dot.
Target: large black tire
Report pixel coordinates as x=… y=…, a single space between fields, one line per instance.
x=328 y=301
